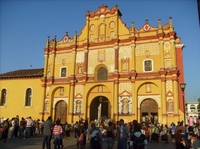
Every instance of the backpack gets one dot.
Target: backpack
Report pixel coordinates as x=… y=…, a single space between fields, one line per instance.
x=138 y=142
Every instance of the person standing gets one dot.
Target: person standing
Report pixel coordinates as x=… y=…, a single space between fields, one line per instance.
x=179 y=140
x=38 y=126
x=123 y=132
x=22 y=125
x=5 y=129
x=16 y=126
x=155 y=134
x=47 y=133
x=66 y=130
x=173 y=130
x=13 y=127
x=29 y=123
x=164 y=131
x=75 y=129
x=57 y=131
x=95 y=137
x=110 y=135
x=138 y=140
x=80 y=135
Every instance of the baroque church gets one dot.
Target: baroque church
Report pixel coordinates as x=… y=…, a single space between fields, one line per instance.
x=108 y=70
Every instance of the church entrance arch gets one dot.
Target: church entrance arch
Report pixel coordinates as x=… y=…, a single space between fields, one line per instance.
x=149 y=111
x=100 y=107
x=61 y=111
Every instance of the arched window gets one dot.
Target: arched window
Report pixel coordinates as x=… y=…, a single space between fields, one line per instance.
x=102 y=74
x=3 y=97
x=28 y=97
x=63 y=72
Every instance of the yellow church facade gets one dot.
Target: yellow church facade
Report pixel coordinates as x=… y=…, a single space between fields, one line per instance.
x=109 y=70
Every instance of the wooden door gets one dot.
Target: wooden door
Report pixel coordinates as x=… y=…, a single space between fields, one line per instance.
x=61 y=111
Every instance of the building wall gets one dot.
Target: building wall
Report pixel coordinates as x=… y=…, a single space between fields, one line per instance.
x=107 y=44
x=15 y=98
x=192 y=110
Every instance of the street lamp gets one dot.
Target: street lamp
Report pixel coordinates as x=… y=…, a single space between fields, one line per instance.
x=183 y=85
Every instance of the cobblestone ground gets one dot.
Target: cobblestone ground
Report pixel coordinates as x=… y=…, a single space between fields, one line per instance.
x=69 y=143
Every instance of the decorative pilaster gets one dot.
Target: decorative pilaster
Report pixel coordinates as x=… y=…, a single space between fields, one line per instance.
x=134 y=105
x=115 y=100
x=85 y=67
x=161 y=49
x=174 y=64
x=116 y=57
x=53 y=58
x=176 y=99
x=71 y=100
x=46 y=57
x=163 y=96
x=74 y=62
x=132 y=64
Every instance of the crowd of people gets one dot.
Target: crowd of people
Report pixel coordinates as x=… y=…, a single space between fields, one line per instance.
x=132 y=135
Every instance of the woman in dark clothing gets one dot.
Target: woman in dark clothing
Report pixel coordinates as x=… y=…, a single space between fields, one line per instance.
x=179 y=140
x=5 y=128
x=22 y=125
x=80 y=135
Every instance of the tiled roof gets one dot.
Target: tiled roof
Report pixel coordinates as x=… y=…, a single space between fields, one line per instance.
x=24 y=73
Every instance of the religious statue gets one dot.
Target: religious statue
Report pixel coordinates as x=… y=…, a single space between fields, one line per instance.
x=78 y=106
x=148 y=88
x=125 y=106
x=143 y=119
x=155 y=119
x=61 y=90
x=170 y=106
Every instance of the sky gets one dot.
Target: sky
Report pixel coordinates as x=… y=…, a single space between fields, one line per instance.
x=26 y=24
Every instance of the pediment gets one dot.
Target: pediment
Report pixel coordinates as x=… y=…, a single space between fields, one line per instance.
x=79 y=96
x=169 y=94
x=125 y=93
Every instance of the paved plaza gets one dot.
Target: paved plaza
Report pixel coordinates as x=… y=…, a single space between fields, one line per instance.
x=69 y=143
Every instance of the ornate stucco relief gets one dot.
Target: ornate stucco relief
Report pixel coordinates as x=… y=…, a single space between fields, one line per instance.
x=167 y=46
x=153 y=49
x=92 y=61
x=58 y=99
x=167 y=55
x=79 y=89
x=155 y=97
x=67 y=57
x=125 y=87
x=110 y=59
x=169 y=99
x=125 y=52
x=80 y=57
x=169 y=86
